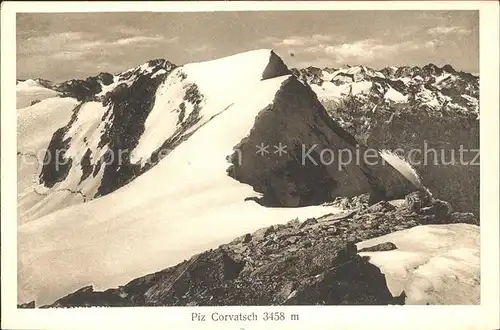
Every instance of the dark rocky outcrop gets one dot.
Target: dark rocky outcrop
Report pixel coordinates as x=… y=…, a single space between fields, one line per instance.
x=458 y=217
x=56 y=165
x=128 y=108
x=418 y=200
x=275 y=67
x=313 y=262
x=86 y=297
x=302 y=176
x=106 y=78
x=30 y=304
x=84 y=90
x=387 y=246
x=86 y=165
x=357 y=202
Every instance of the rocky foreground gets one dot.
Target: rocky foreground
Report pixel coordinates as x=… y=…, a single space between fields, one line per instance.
x=308 y=263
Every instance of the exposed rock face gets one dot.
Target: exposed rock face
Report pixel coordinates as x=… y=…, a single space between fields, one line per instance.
x=275 y=68
x=106 y=78
x=313 y=169
x=124 y=111
x=429 y=86
x=357 y=202
x=417 y=200
x=56 y=165
x=314 y=262
x=387 y=246
x=458 y=217
x=85 y=90
x=30 y=304
x=128 y=110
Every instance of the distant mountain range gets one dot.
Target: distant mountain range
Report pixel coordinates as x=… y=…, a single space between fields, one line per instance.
x=430 y=88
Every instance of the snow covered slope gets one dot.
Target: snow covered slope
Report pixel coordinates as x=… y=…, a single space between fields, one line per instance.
x=32 y=91
x=35 y=126
x=180 y=186
x=433 y=264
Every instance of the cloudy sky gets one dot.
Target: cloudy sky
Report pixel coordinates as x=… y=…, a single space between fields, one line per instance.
x=63 y=46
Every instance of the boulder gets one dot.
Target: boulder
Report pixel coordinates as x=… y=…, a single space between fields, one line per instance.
x=417 y=200
x=386 y=246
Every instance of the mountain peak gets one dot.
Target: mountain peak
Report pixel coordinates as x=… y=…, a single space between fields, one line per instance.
x=432 y=68
x=448 y=68
x=276 y=67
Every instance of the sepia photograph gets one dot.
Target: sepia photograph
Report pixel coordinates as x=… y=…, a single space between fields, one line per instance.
x=205 y=158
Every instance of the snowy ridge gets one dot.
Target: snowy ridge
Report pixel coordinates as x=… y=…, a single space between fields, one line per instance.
x=202 y=99
x=166 y=108
x=35 y=126
x=31 y=91
x=188 y=189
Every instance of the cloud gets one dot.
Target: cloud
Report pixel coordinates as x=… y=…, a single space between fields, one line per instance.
x=291 y=42
x=76 y=45
x=296 y=41
x=268 y=40
x=368 y=49
x=433 y=43
x=127 y=30
x=200 y=49
x=56 y=38
x=86 y=45
x=47 y=43
x=405 y=31
x=142 y=40
x=336 y=48
x=321 y=38
x=430 y=15
x=68 y=55
x=172 y=40
x=446 y=30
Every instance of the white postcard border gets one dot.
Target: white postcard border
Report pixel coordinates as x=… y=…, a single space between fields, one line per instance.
x=484 y=316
